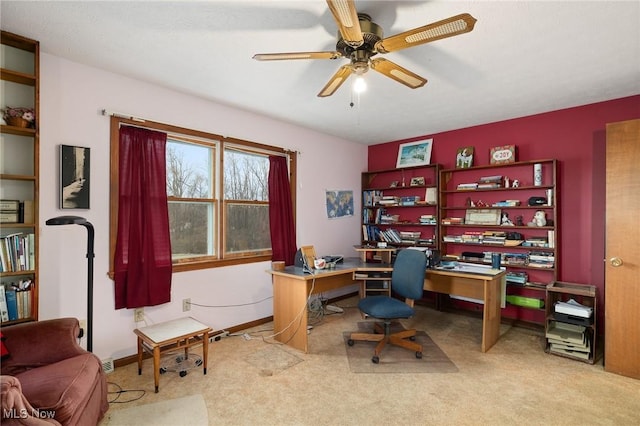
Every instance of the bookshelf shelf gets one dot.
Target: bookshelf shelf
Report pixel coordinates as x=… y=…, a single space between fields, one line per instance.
x=389 y=193
x=19 y=180
x=540 y=255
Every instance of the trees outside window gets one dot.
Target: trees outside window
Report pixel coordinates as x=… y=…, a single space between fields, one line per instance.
x=217 y=190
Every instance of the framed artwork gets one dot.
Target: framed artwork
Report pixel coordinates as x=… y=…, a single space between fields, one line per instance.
x=339 y=204
x=74 y=177
x=503 y=154
x=417 y=181
x=482 y=217
x=414 y=153
x=464 y=157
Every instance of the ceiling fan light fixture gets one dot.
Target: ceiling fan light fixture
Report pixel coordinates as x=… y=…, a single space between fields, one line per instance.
x=359 y=84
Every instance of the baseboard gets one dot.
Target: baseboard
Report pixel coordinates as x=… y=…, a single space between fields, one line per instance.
x=130 y=359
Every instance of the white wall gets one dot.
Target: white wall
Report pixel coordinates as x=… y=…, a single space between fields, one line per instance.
x=71 y=98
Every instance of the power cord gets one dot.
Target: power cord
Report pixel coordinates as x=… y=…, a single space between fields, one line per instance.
x=119 y=391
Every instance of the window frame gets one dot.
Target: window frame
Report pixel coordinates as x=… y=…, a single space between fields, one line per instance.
x=220 y=260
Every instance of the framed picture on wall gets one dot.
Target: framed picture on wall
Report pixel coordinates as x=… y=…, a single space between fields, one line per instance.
x=416 y=153
x=464 y=157
x=74 y=177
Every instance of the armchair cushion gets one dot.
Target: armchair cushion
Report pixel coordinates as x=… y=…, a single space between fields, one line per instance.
x=49 y=374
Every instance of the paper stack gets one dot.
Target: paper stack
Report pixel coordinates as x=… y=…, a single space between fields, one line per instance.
x=573 y=313
x=568 y=339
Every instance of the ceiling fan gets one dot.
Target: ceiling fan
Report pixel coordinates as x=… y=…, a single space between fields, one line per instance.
x=360 y=39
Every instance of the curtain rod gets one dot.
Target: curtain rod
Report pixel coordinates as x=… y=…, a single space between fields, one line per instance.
x=107 y=112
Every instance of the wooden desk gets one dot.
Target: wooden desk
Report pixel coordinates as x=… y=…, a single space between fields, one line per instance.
x=292 y=288
x=485 y=286
x=175 y=334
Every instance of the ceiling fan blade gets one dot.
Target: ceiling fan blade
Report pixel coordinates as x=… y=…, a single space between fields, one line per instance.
x=336 y=81
x=296 y=55
x=346 y=16
x=449 y=27
x=396 y=72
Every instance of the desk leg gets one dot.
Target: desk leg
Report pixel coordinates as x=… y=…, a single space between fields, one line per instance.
x=491 y=314
x=139 y=356
x=205 y=351
x=156 y=366
x=290 y=312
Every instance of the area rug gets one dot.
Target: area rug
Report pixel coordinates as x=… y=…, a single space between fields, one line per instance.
x=394 y=359
x=272 y=359
x=189 y=410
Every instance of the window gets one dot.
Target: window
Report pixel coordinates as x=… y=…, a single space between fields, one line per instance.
x=217 y=190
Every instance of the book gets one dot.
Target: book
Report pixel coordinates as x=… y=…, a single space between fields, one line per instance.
x=4 y=312
x=12 y=304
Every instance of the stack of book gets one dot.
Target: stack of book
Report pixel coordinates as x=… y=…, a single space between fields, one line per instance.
x=518 y=278
x=516 y=259
x=409 y=237
x=427 y=219
x=409 y=200
x=9 y=211
x=507 y=203
x=389 y=200
x=541 y=259
x=494 y=238
x=490 y=182
x=452 y=221
x=467 y=186
x=387 y=219
x=536 y=242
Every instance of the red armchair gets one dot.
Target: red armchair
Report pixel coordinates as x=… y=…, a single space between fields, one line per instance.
x=47 y=378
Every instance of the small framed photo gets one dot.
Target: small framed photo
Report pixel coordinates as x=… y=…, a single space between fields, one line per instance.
x=74 y=177
x=414 y=153
x=503 y=154
x=464 y=157
x=417 y=181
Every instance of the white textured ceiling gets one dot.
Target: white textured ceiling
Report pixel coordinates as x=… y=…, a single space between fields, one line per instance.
x=522 y=58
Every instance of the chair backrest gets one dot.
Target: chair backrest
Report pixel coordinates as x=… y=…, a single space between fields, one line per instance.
x=409 y=269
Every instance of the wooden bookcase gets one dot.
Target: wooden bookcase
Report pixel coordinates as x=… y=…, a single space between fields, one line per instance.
x=399 y=206
x=471 y=227
x=19 y=174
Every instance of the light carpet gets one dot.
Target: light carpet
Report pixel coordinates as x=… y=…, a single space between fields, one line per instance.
x=394 y=359
x=189 y=410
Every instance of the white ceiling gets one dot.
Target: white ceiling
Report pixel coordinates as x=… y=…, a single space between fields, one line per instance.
x=522 y=58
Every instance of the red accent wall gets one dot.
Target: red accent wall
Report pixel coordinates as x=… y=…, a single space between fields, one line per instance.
x=574 y=136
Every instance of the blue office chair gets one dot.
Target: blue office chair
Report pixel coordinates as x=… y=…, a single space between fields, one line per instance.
x=407 y=280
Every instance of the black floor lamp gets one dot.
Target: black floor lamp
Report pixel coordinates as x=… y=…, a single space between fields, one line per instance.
x=76 y=220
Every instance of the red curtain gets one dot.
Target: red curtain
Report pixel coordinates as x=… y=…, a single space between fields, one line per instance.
x=283 y=233
x=142 y=263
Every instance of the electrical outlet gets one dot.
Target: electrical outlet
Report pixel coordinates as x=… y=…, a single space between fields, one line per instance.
x=83 y=326
x=218 y=336
x=186 y=305
x=138 y=314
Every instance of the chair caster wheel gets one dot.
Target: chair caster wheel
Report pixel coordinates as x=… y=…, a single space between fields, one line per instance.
x=183 y=373
x=179 y=359
x=412 y=338
x=350 y=342
x=375 y=360
x=163 y=370
x=198 y=363
x=419 y=355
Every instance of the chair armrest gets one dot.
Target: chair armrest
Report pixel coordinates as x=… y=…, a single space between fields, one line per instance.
x=15 y=407
x=35 y=344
